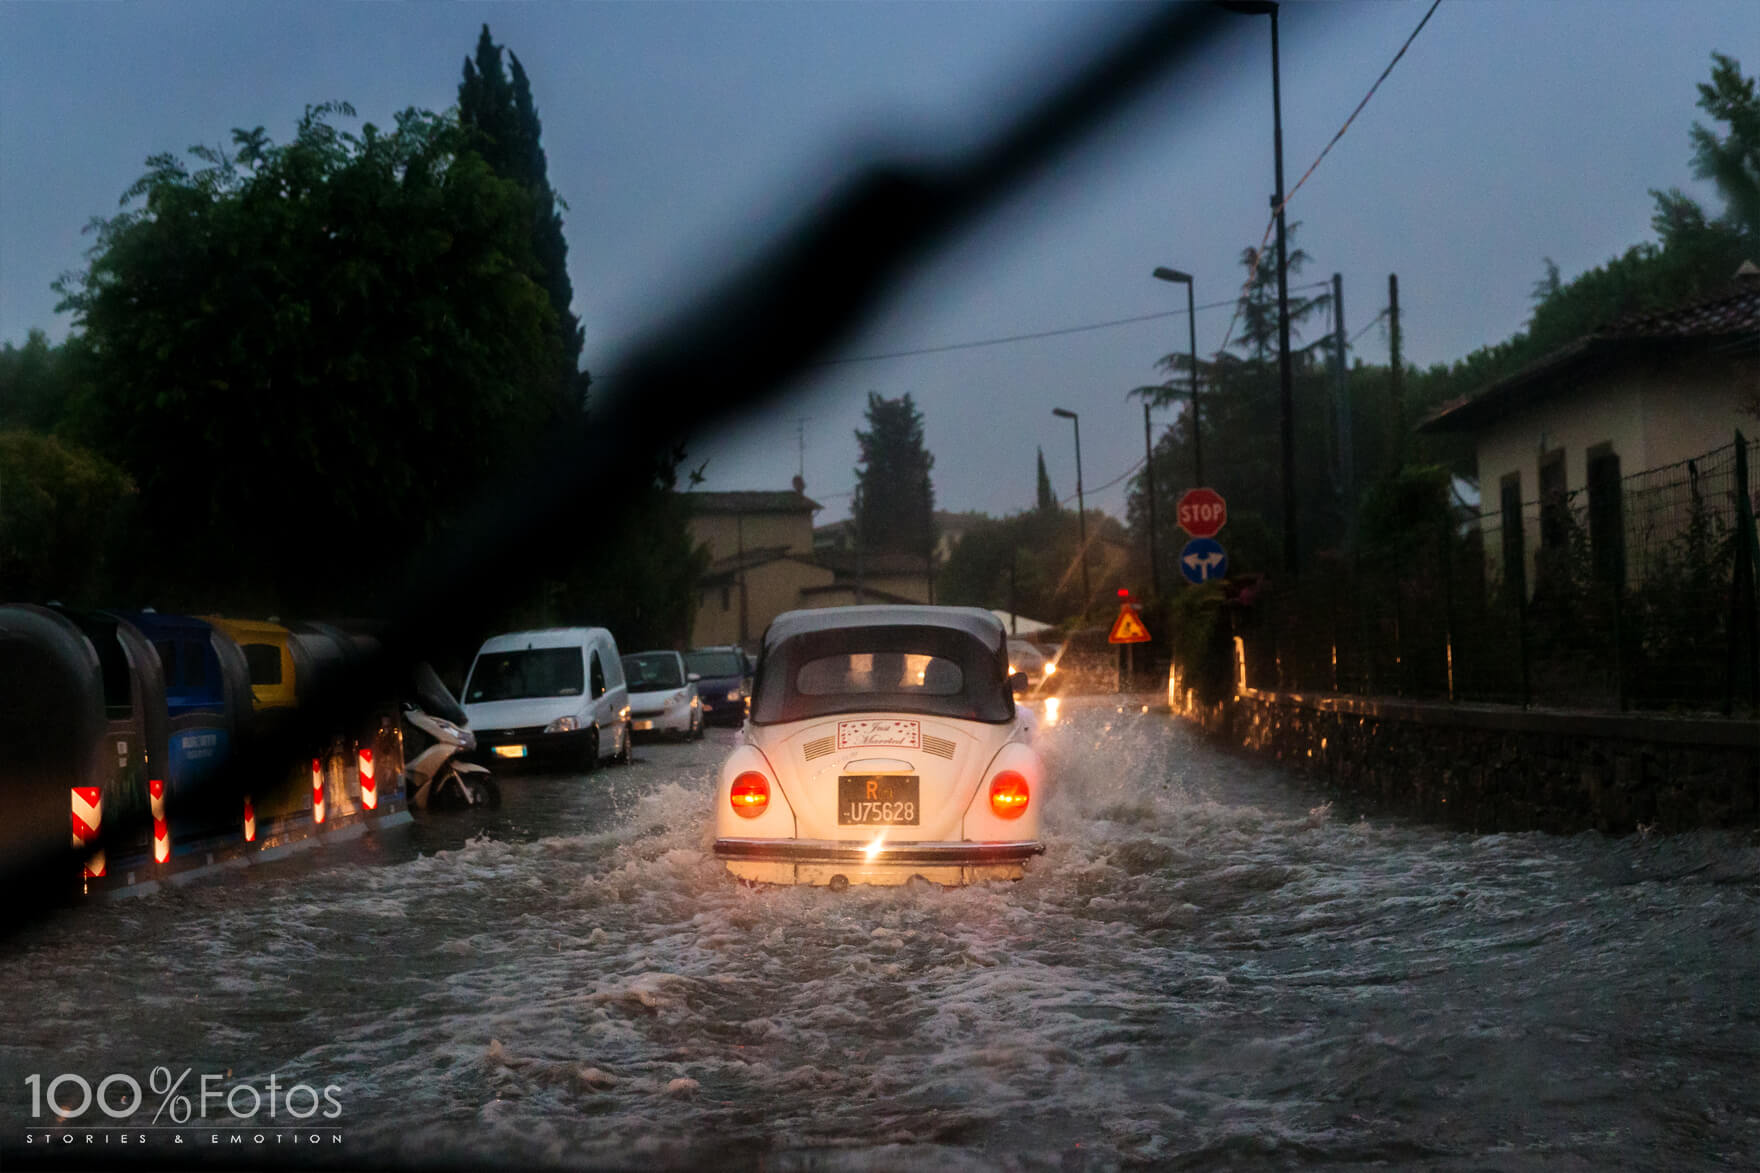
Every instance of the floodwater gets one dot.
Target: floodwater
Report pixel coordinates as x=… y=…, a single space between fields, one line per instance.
x=1211 y=967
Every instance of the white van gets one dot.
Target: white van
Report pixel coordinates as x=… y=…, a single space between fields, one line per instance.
x=554 y=697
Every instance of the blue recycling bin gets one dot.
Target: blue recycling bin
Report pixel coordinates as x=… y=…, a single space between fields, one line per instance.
x=207 y=698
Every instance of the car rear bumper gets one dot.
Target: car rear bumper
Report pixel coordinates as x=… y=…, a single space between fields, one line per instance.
x=676 y=719
x=724 y=711
x=825 y=861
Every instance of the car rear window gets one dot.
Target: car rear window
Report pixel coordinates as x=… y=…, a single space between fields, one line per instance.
x=534 y=672
x=868 y=672
x=649 y=673
x=713 y=664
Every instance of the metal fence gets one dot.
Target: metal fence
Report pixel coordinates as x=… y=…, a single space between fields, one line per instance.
x=1636 y=592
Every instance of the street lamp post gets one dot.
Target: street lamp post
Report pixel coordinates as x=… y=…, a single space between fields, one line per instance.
x=1286 y=398
x=1149 y=483
x=1179 y=278
x=1081 y=504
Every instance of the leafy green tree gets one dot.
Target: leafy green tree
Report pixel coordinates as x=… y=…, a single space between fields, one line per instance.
x=895 y=498
x=647 y=592
x=309 y=355
x=1694 y=254
x=1240 y=418
x=1029 y=562
x=1731 y=161
x=61 y=511
x=496 y=105
x=37 y=381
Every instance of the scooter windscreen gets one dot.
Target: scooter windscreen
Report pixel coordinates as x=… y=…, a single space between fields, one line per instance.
x=434 y=696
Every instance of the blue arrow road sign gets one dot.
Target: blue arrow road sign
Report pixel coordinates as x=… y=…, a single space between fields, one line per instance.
x=1202 y=560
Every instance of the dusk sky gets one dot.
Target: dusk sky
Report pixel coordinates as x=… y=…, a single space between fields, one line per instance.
x=681 y=135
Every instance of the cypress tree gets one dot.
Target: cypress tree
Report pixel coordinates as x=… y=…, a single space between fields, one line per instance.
x=1047 y=499
x=895 y=500
x=508 y=134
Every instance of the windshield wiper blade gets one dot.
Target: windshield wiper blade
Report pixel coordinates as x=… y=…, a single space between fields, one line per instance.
x=737 y=347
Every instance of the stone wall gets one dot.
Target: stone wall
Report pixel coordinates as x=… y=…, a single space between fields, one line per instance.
x=1492 y=768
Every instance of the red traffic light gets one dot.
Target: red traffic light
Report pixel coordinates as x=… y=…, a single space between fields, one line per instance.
x=1124 y=592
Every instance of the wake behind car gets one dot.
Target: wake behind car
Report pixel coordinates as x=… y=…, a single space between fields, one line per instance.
x=884 y=743
x=662 y=696
x=725 y=684
x=554 y=697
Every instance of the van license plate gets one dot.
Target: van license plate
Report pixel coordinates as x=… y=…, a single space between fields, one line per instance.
x=510 y=751
x=877 y=800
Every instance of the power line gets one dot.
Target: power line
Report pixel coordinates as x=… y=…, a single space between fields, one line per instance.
x=1253 y=270
x=1435 y=4
x=1370 y=325
x=1102 y=488
x=974 y=344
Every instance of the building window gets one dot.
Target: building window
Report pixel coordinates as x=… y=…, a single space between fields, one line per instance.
x=1515 y=568
x=1554 y=520
x=1607 y=527
x=726 y=598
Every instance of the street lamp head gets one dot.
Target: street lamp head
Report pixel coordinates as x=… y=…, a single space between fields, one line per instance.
x=1063 y=413
x=1174 y=275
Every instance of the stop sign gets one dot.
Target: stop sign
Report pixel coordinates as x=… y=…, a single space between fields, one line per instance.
x=1202 y=512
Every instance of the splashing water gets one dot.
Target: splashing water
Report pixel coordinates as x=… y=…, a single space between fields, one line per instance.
x=1205 y=969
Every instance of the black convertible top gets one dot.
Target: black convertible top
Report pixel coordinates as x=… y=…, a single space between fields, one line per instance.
x=974 y=621
x=971 y=641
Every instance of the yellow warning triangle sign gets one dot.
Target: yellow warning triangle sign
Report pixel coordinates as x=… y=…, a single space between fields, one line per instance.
x=1128 y=627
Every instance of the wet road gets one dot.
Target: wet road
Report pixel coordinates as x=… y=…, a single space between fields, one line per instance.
x=1209 y=968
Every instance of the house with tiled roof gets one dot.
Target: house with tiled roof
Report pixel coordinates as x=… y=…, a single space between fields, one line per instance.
x=763 y=561
x=1646 y=391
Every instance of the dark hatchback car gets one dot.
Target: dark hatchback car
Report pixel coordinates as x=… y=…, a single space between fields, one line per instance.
x=725 y=685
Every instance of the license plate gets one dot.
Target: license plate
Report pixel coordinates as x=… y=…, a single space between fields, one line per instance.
x=642 y=726
x=877 y=800
x=510 y=751
x=880 y=732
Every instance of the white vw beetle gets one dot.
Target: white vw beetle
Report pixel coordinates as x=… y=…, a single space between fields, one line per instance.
x=883 y=743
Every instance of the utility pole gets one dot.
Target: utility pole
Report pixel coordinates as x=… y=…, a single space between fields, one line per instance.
x=856 y=521
x=1014 y=598
x=1149 y=477
x=1286 y=393
x=739 y=540
x=1081 y=501
x=1396 y=375
x=1347 y=491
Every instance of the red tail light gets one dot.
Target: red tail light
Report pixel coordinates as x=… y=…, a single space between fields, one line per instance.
x=1008 y=795
x=751 y=794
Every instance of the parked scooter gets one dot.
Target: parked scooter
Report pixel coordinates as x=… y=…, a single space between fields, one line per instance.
x=434 y=777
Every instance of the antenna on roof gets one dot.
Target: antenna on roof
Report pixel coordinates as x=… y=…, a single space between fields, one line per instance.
x=800 y=476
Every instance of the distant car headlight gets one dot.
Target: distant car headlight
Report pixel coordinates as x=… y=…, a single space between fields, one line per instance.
x=562 y=725
x=733 y=694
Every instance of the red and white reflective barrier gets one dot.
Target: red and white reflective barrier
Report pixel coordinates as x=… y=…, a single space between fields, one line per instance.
x=161 y=830
x=250 y=821
x=369 y=785
x=88 y=819
x=317 y=791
